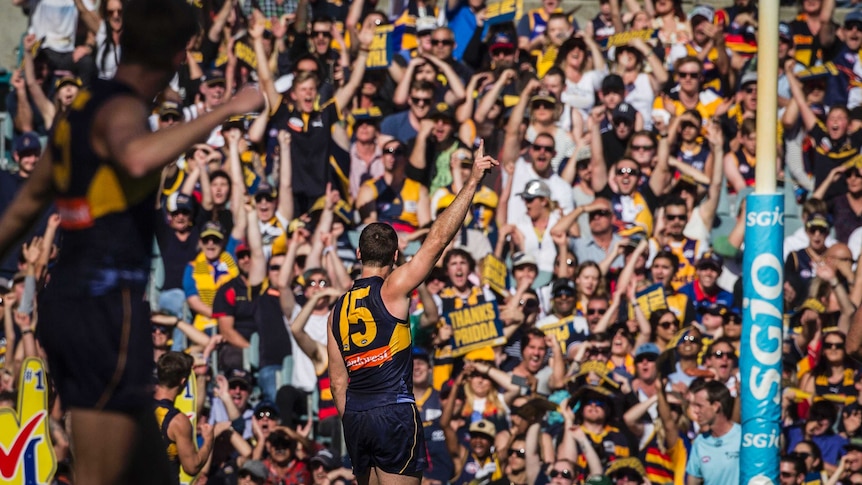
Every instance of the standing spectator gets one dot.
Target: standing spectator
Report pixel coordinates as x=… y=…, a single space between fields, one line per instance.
x=178 y=242
x=714 y=455
x=233 y=305
x=206 y=273
x=54 y=22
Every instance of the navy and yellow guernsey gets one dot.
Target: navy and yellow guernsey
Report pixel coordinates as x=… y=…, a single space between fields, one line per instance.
x=107 y=215
x=375 y=346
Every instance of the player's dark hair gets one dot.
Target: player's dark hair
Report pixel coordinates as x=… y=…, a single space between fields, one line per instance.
x=378 y=244
x=156 y=31
x=173 y=367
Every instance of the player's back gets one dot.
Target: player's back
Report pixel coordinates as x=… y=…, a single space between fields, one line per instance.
x=375 y=346
x=108 y=217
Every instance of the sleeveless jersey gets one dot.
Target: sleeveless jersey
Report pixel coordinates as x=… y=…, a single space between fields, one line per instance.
x=165 y=413
x=398 y=206
x=375 y=346
x=843 y=392
x=746 y=168
x=479 y=470
x=108 y=217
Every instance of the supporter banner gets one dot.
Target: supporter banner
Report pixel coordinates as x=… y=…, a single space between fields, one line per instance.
x=474 y=327
x=563 y=329
x=760 y=359
x=498 y=13
x=823 y=71
x=381 y=48
x=495 y=274
x=26 y=451
x=186 y=403
x=245 y=54
x=623 y=38
x=650 y=299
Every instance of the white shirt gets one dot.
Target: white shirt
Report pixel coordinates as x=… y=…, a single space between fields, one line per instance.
x=544 y=250
x=304 y=377
x=55 y=21
x=561 y=191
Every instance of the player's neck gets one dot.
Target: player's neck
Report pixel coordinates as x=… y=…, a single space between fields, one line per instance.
x=146 y=82
x=369 y=271
x=165 y=393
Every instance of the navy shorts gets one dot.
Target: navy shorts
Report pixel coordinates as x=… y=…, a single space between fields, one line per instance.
x=99 y=348
x=390 y=438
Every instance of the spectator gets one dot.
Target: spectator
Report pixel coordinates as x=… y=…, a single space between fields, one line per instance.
x=712 y=407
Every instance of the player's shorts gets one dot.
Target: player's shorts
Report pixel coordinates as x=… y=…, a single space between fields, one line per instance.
x=99 y=348
x=389 y=438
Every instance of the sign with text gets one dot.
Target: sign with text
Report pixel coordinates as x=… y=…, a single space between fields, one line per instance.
x=650 y=299
x=495 y=274
x=498 y=13
x=26 y=453
x=564 y=329
x=381 y=49
x=474 y=327
x=623 y=38
x=186 y=403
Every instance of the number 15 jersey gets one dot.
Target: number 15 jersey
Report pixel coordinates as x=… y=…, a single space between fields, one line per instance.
x=375 y=346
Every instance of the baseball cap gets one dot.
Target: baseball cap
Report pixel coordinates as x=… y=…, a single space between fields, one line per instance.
x=501 y=41
x=214 y=76
x=704 y=11
x=717 y=309
x=710 y=259
x=536 y=188
x=212 y=228
x=748 y=78
x=67 y=78
x=264 y=406
x=484 y=427
x=324 y=457
x=544 y=95
x=817 y=220
x=563 y=285
x=169 y=108
x=238 y=376
x=853 y=16
x=256 y=468
x=27 y=142
x=487 y=198
x=241 y=248
x=647 y=348
x=266 y=189
x=624 y=111
x=521 y=259
x=180 y=202
x=372 y=114
x=442 y=111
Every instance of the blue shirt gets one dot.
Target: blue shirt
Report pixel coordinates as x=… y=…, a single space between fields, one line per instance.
x=722 y=297
x=716 y=460
x=398 y=126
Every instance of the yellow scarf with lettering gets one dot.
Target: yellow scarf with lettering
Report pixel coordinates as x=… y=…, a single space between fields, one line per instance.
x=206 y=282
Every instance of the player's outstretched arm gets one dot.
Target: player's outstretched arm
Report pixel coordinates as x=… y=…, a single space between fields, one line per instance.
x=408 y=276
x=119 y=134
